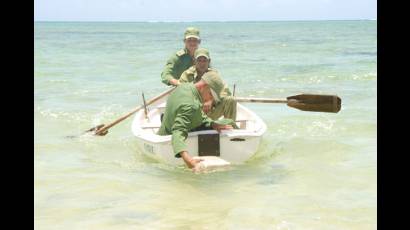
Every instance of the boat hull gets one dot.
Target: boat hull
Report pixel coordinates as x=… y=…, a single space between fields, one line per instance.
x=230 y=149
x=235 y=146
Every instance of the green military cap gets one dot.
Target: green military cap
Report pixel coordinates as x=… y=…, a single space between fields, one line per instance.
x=202 y=52
x=215 y=83
x=191 y=32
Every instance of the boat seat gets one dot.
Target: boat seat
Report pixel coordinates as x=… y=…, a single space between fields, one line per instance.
x=242 y=123
x=151 y=127
x=161 y=106
x=241 y=126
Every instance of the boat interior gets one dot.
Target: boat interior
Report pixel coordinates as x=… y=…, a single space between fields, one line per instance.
x=150 y=120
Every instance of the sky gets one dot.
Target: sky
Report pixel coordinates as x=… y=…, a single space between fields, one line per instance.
x=203 y=10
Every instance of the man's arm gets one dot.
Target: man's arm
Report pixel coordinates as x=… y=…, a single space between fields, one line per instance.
x=180 y=129
x=188 y=159
x=207 y=121
x=169 y=69
x=223 y=124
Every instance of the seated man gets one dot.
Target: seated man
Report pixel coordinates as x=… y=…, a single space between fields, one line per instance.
x=183 y=59
x=183 y=113
x=227 y=105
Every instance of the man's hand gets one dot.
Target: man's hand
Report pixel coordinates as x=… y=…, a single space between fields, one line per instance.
x=174 y=82
x=189 y=161
x=207 y=107
x=218 y=127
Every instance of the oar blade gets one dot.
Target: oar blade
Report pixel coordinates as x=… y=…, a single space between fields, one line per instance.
x=316 y=102
x=94 y=130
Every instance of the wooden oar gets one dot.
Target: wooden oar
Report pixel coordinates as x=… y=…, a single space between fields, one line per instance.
x=102 y=130
x=305 y=102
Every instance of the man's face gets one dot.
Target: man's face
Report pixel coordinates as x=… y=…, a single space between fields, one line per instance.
x=202 y=64
x=207 y=95
x=191 y=43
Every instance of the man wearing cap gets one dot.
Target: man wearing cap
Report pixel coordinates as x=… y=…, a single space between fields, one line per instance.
x=183 y=59
x=227 y=105
x=183 y=113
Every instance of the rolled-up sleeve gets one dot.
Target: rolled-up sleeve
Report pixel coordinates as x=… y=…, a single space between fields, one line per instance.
x=207 y=121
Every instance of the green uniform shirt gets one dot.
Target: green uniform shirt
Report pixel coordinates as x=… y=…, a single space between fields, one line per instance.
x=176 y=64
x=191 y=75
x=182 y=114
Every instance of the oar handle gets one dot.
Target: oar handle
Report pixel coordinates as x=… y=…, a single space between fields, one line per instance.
x=262 y=100
x=103 y=129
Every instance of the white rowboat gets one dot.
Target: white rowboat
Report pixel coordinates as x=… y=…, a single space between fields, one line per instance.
x=235 y=146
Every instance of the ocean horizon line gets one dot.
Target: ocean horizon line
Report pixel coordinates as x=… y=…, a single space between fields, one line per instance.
x=211 y=21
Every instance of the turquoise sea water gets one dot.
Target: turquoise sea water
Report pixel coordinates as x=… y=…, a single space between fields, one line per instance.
x=312 y=171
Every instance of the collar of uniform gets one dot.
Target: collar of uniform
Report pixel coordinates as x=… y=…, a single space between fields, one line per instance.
x=196 y=74
x=182 y=52
x=187 y=53
x=191 y=70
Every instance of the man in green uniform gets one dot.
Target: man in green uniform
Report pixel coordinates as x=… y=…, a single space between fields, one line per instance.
x=183 y=59
x=227 y=105
x=183 y=113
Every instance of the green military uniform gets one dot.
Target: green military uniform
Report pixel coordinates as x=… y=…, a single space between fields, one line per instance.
x=176 y=65
x=227 y=105
x=183 y=113
x=191 y=75
x=180 y=61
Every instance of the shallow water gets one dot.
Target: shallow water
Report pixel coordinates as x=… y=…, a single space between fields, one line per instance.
x=312 y=170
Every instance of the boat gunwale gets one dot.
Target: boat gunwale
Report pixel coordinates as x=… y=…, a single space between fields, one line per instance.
x=154 y=138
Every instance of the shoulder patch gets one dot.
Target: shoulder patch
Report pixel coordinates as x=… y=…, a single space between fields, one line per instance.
x=180 y=52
